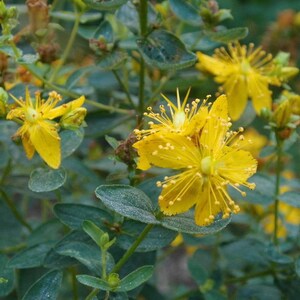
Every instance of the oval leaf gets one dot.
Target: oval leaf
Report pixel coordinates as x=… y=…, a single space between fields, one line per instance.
x=186 y=223
x=30 y=257
x=128 y=202
x=45 y=288
x=46 y=180
x=135 y=278
x=186 y=12
x=165 y=51
x=70 y=141
x=73 y=215
x=112 y=60
x=7 y=277
x=157 y=238
x=229 y=35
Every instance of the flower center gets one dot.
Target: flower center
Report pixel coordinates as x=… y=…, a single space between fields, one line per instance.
x=245 y=67
x=207 y=167
x=32 y=115
x=179 y=119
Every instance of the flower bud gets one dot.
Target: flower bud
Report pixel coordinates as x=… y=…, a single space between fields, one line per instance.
x=282 y=114
x=113 y=280
x=73 y=119
x=38 y=14
x=3 y=101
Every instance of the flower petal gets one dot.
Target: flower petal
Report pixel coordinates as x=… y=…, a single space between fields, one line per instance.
x=168 y=150
x=180 y=192
x=210 y=64
x=46 y=141
x=64 y=108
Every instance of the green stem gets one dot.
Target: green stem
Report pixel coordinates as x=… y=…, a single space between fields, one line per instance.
x=103 y=262
x=250 y=276
x=279 y=146
x=71 y=94
x=6 y=172
x=143 y=14
x=69 y=46
x=74 y=284
x=92 y=294
x=12 y=249
x=14 y=210
x=124 y=87
x=131 y=250
x=124 y=258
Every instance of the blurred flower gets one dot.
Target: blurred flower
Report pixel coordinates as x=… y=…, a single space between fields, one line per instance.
x=209 y=162
x=244 y=72
x=38 y=131
x=182 y=119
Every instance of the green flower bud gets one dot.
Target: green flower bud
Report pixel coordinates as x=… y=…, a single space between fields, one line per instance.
x=73 y=119
x=113 y=280
x=3 y=101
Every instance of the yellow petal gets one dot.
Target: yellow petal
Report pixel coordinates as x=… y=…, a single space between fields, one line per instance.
x=64 y=108
x=259 y=92
x=210 y=64
x=180 y=193
x=236 y=90
x=214 y=130
x=166 y=150
x=236 y=165
x=46 y=141
x=28 y=147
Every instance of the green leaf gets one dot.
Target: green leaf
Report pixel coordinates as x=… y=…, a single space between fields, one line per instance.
x=104 y=4
x=291 y=198
x=229 y=35
x=113 y=142
x=128 y=202
x=88 y=255
x=8 y=50
x=129 y=16
x=136 y=278
x=112 y=60
x=7 y=277
x=77 y=75
x=186 y=12
x=104 y=30
x=31 y=257
x=128 y=283
x=93 y=231
x=262 y=194
x=46 y=287
x=70 y=141
x=186 y=223
x=46 y=180
x=73 y=215
x=275 y=256
x=157 y=238
x=165 y=51
x=28 y=59
x=258 y=292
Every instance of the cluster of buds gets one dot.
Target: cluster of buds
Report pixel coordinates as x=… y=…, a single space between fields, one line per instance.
x=8 y=19
x=41 y=32
x=100 y=45
x=212 y=15
x=285 y=116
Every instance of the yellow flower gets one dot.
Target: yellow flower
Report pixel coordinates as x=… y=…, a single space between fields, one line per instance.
x=245 y=73
x=209 y=161
x=184 y=119
x=38 y=132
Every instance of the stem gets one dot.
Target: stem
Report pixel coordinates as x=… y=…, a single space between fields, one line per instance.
x=69 y=46
x=71 y=94
x=103 y=262
x=124 y=87
x=143 y=14
x=250 y=276
x=6 y=172
x=12 y=249
x=14 y=210
x=131 y=250
x=92 y=294
x=279 y=144
x=74 y=284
